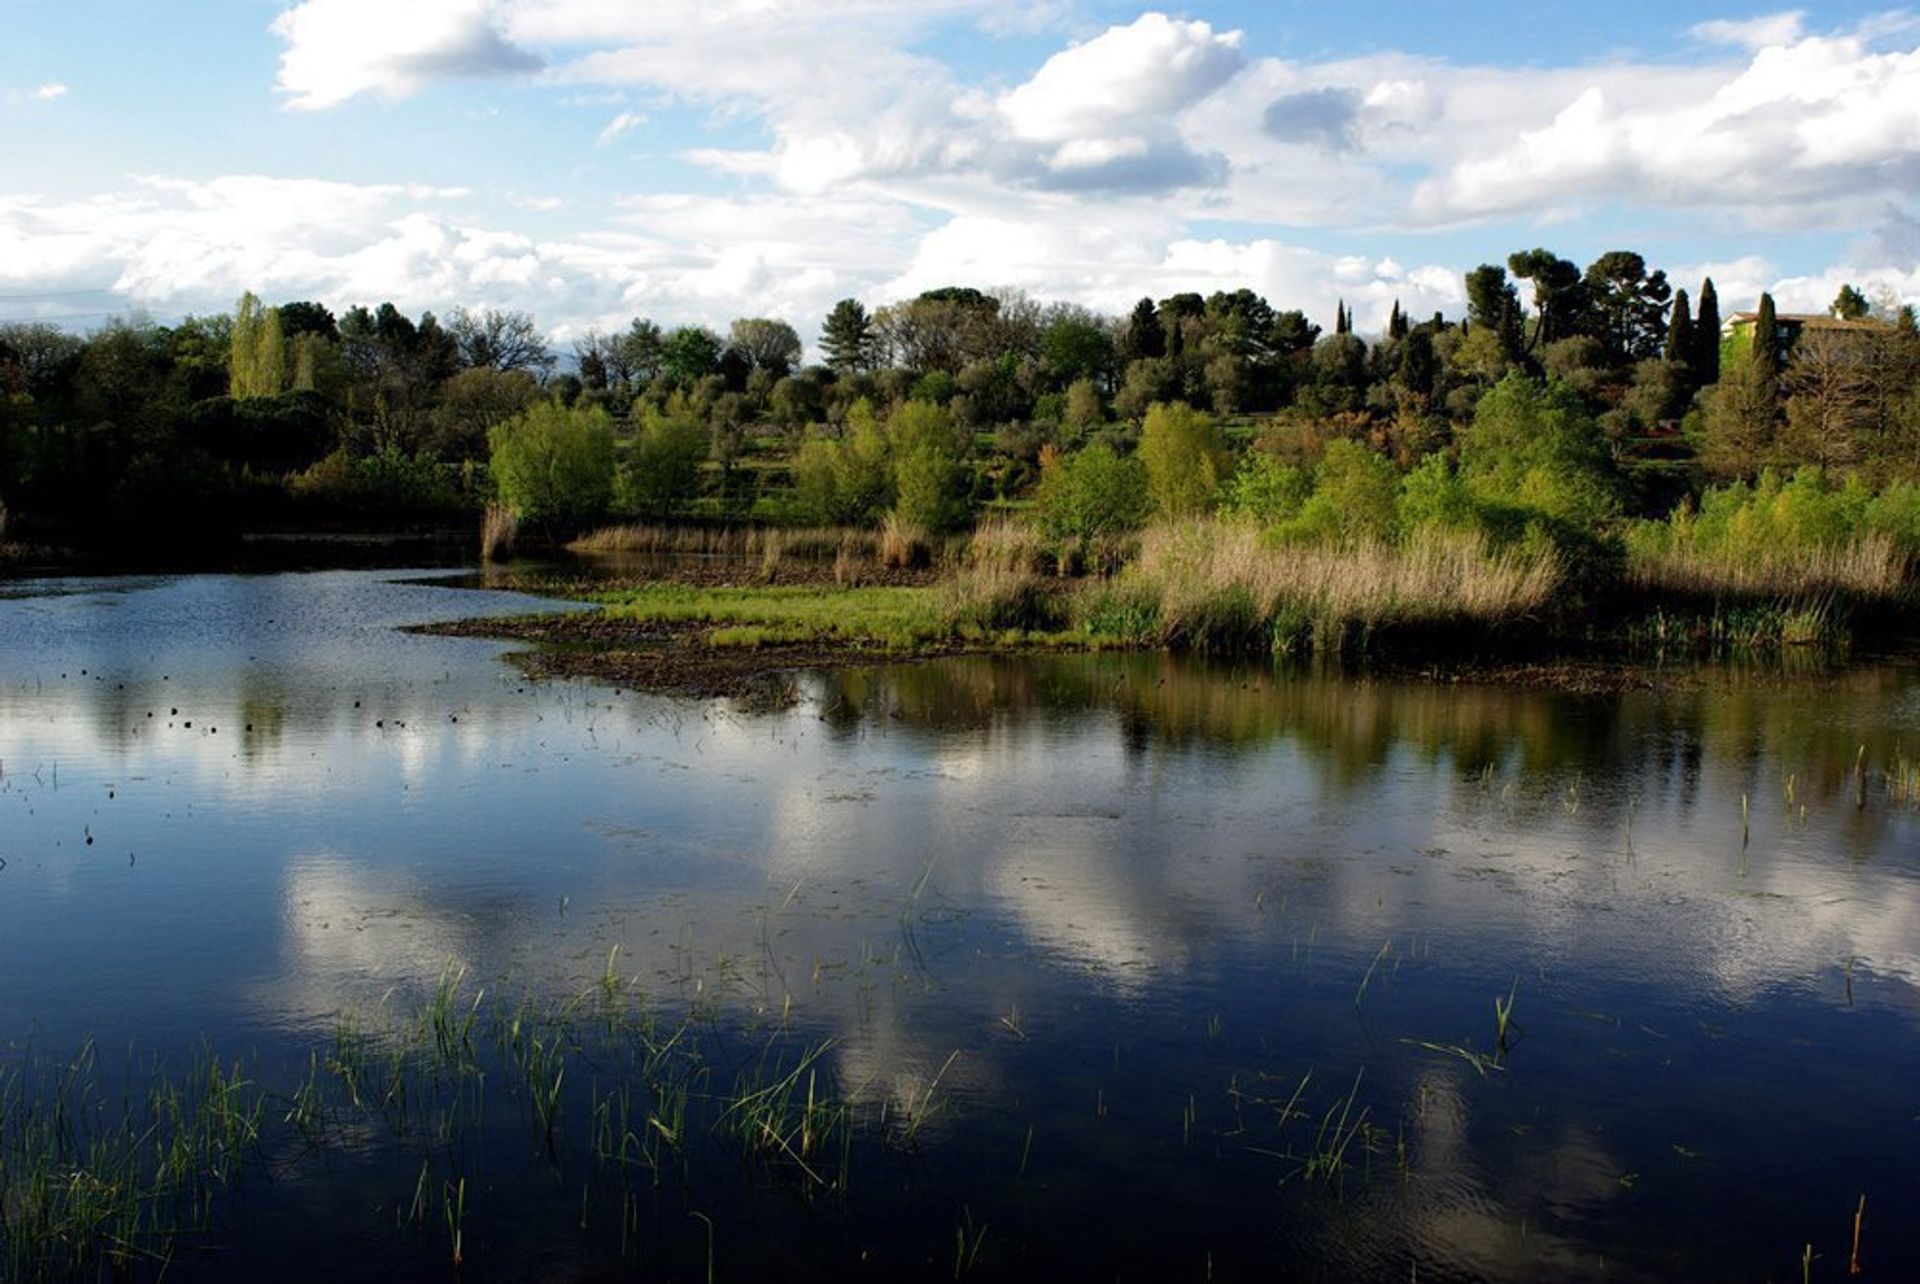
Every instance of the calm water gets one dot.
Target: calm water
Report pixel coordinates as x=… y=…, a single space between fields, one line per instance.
x=1145 y=931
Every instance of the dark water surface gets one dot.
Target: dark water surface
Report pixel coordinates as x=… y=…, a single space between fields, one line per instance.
x=1123 y=967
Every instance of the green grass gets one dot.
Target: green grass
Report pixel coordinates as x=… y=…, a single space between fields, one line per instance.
x=888 y=618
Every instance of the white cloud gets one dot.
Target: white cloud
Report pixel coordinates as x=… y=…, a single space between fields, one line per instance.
x=1753 y=33
x=626 y=122
x=341 y=49
x=43 y=93
x=1126 y=75
x=1799 y=136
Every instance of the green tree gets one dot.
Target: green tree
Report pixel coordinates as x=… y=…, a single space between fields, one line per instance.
x=689 y=354
x=554 y=465
x=1680 y=344
x=1535 y=448
x=1705 y=358
x=1628 y=305
x=928 y=477
x=1850 y=304
x=1091 y=494
x=1766 y=354
x=1143 y=336
x=1493 y=308
x=258 y=365
x=663 y=468
x=1559 y=295
x=1185 y=458
x=768 y=344
x=847 y=337
x=1083 y=410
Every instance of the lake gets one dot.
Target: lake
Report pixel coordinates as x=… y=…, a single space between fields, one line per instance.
x=1119 y=967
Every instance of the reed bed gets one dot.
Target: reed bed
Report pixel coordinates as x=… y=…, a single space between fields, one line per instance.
x=812 y=543
x=499 y=531
x=1871 y=566
x=1217 y=585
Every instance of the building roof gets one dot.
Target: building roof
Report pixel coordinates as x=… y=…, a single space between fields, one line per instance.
x=1811 y=321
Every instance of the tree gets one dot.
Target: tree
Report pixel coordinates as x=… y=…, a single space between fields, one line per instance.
x=1076 y=344
x=1850 y=304
x=499 y=339
x=308 y=318
x=768 y=344
x=1082 y=410
x=641 y=351
x=1143 y=336
x=1559 y=295
x=847 y=338
x=688 y=354
x=1185 y=458
x=1680 y=344
x=1766 y=347
x=472 y=403
x=554 y=465
x=259 y=356
x=1706 y=336
x=663 y=469
x=1737 y=423
x=1628 y=305
x=927 y=476
x=1091 y=494
x=1535 y=449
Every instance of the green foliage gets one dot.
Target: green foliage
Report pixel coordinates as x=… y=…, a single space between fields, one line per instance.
x=258 y=363
x=1265 y=490
x=1356 y=494
x=663 y=468
x=928 y=476
x=554 y=465
x=1185 y=457
x=1536 y=449
x=1092 y=494
x=847 y=337
x=388 y=483
x=849 y=481
x=1435 y=495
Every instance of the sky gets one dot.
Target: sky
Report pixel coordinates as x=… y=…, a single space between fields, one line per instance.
x=693 y=161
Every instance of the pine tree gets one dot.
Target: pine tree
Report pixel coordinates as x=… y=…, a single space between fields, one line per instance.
x=1706 y=336
x=1680 y=329
x=847 y=337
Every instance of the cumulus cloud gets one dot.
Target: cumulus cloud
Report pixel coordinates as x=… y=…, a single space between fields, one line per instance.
x=1798 y=136
x=341 y=49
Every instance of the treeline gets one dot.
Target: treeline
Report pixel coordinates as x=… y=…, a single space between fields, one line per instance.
x=933 y=409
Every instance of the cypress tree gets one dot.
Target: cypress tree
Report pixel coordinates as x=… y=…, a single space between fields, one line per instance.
x=1766 y=346
x=1680 y=329
x=1706 y=336
x=1145 y=336
x=1397 y=323
x=1342 y=323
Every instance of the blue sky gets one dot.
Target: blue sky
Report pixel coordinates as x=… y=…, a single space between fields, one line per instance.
x=593 y=160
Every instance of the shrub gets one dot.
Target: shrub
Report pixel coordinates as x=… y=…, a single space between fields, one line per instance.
x=1265 y=490
x=1536 y=448
x=554 y=465
x=1185 y=458
x=1090 y=495
x=663 y=469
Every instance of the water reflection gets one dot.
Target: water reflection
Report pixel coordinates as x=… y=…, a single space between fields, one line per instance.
x=1123 y=880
